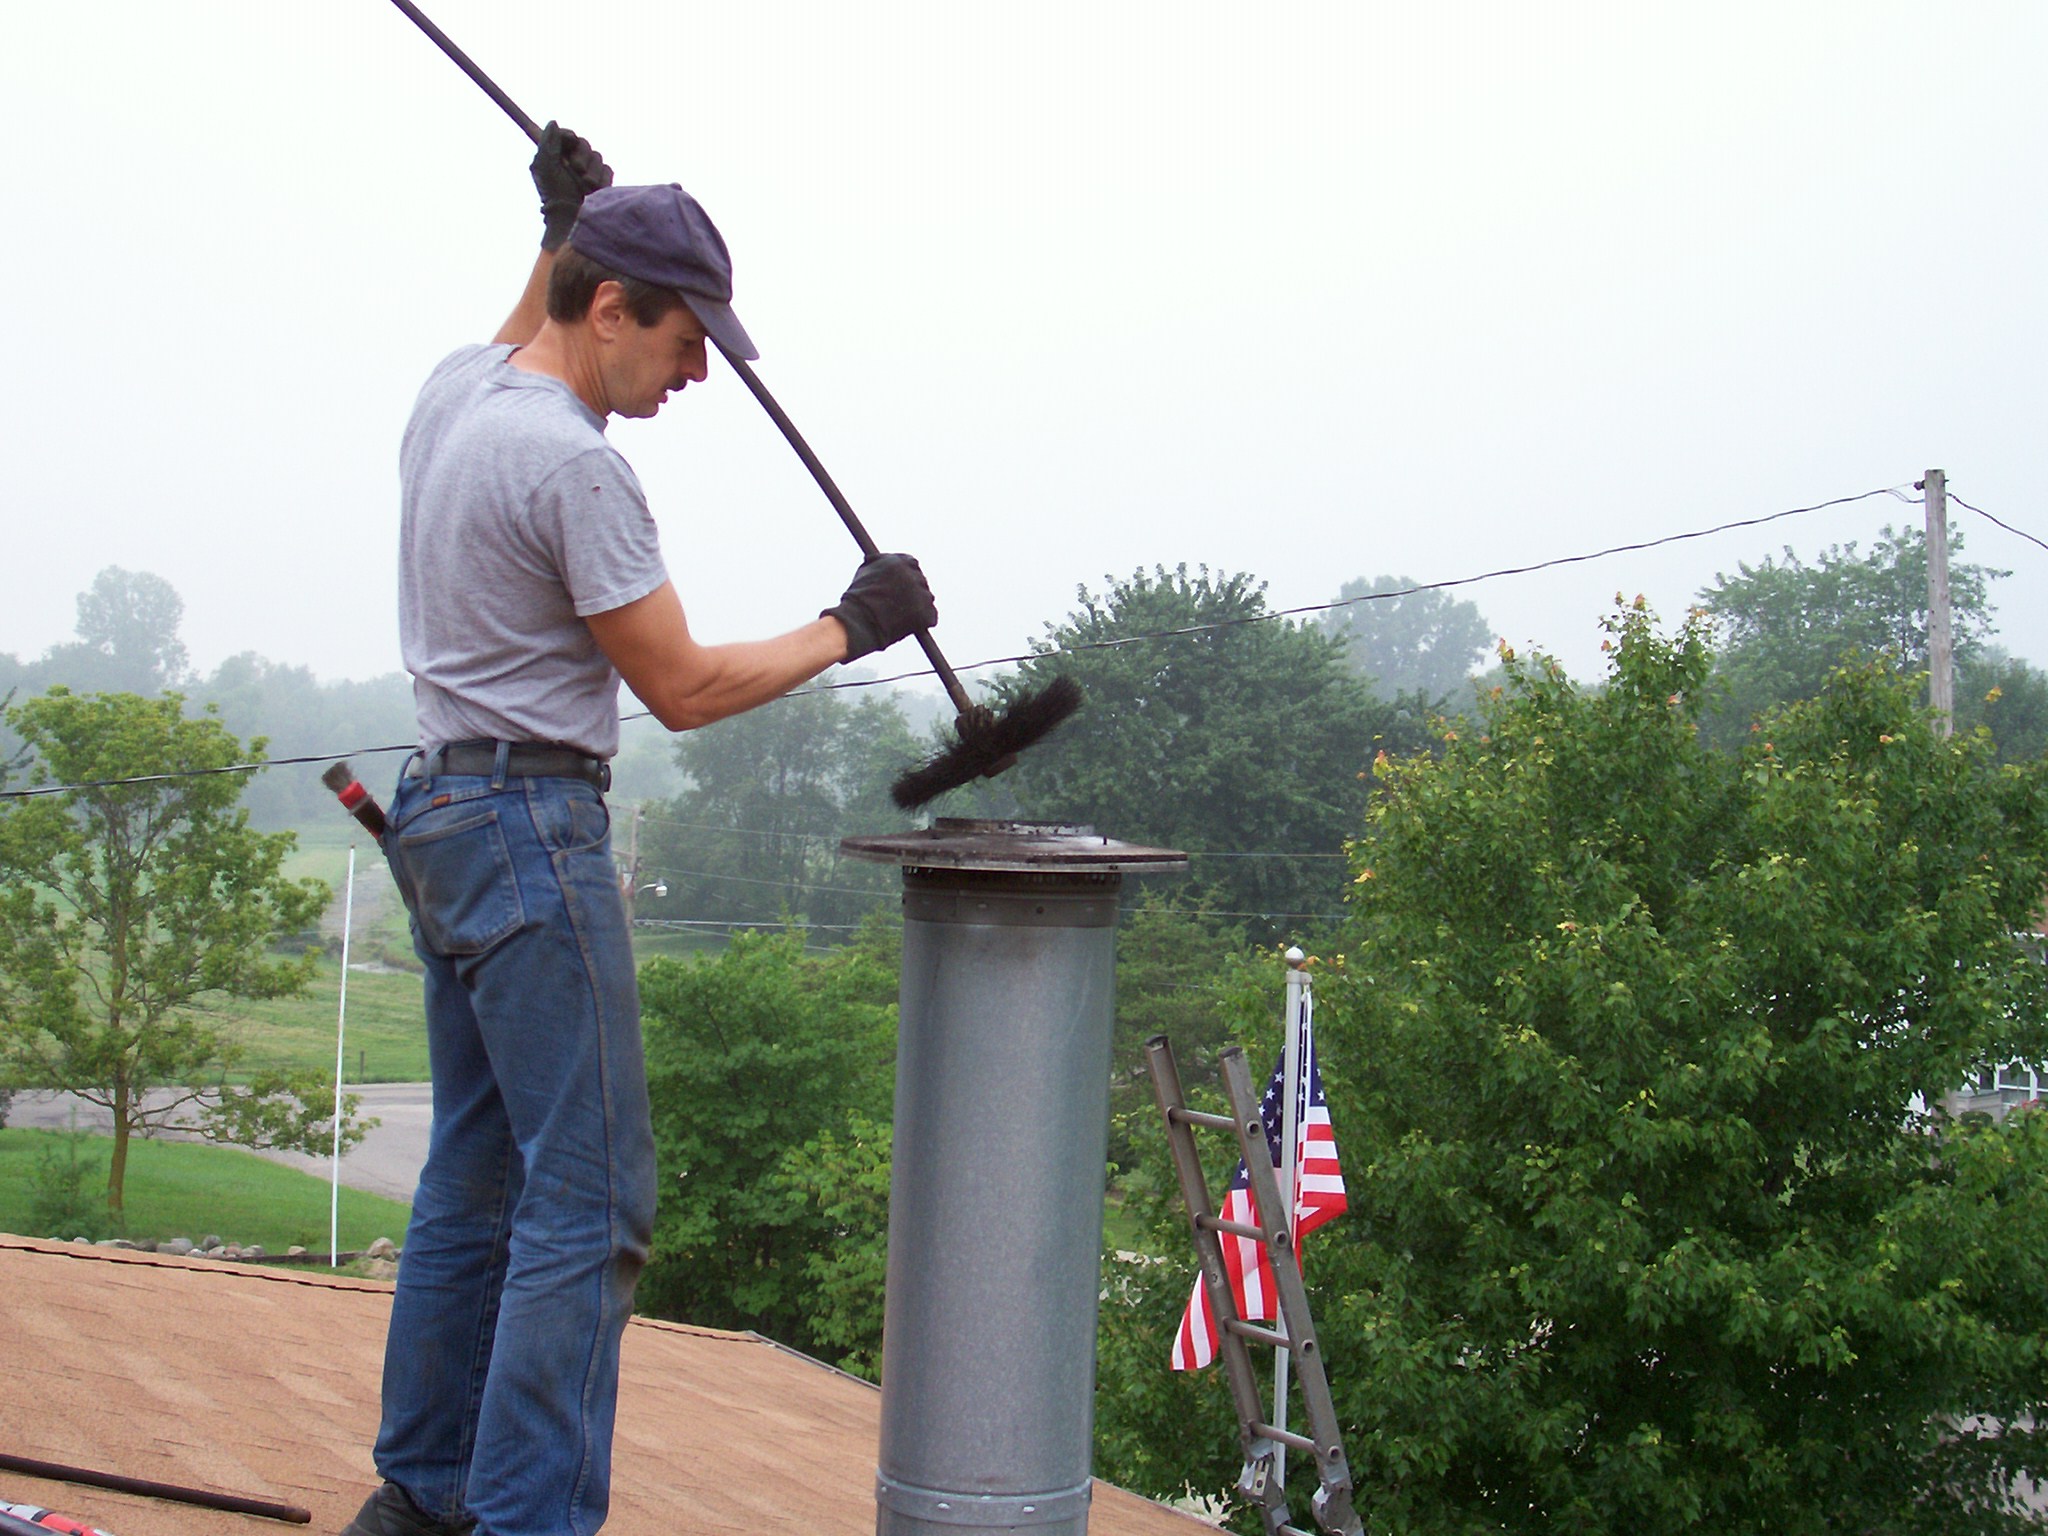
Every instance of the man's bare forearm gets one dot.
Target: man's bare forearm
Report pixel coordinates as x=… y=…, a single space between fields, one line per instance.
x=685 y=684
x=523 y=324
x=731 y=679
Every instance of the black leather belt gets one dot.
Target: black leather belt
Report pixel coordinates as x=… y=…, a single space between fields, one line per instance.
x=523 y=760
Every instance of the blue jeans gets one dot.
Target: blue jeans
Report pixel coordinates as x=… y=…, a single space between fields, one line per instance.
x=534 y=1210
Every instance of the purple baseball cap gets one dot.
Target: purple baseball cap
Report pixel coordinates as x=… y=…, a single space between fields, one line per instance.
x=662 y=235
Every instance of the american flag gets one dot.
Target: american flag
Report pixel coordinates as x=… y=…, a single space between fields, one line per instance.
x=1318 y=1196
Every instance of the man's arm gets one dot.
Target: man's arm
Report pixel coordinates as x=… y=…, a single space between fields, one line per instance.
x=565 y=171
x=523 y=324
x=686 y=684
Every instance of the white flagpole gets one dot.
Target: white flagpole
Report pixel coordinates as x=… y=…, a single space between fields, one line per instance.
x=1290 y=1134
x=348 y=912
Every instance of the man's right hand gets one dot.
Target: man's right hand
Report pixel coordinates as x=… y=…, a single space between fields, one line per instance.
x=887 y=600
x=565 y=171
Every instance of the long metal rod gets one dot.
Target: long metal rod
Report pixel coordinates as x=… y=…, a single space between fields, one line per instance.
x=205 y=1498
x=1290 y=1147
x=468 y=66
x=844 y=508
x=348 y=915
x=954 y=690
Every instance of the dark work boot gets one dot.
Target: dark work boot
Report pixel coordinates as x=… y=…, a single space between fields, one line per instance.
x=390 y=1511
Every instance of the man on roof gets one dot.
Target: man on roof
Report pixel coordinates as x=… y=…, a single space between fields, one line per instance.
x=531 y=582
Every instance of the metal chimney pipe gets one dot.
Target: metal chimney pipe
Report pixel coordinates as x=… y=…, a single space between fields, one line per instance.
x=995 y=1197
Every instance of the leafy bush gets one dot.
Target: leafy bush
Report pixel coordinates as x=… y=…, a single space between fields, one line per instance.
x=69 y=1199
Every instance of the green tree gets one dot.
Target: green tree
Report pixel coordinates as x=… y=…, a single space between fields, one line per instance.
x=2006 y=696
x=1655 y=1221
x=131 y=912
x=302 y=716
x=840 y=1178
x=1192 y=978
x=1158 y=1431
x=127 y=638
x=752 y=1052
x=1237 y=736
x=1784 y=628
x=1416 y=642
x=772 y=792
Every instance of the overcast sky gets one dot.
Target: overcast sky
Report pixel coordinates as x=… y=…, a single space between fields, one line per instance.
x=1056 y=290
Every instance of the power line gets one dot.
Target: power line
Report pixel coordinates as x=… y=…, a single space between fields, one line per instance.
x=707 y=874
x=708 y=826
x=1093 y=645
x=740 y=922
x=834 y=837
x=1379 y=597
x=2008 y=527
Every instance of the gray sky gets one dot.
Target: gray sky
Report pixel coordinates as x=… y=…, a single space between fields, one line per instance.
x=1316 y=291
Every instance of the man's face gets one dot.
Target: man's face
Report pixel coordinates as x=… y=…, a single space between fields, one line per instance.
x=647 y=362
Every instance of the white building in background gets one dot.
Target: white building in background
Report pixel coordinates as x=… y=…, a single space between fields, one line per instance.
x=1998 y=1091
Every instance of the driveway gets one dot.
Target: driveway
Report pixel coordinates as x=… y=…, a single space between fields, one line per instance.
x=385 y=1162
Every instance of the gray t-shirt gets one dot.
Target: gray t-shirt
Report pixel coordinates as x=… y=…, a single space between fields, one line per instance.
x=517 y=520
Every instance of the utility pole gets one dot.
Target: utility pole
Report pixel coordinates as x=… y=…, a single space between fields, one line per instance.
x=629 y=886
x=1941 y=682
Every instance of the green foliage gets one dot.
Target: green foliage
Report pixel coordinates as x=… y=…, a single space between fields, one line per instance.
x=127 y=642
x=1417 y=643
x=1651 y=1227
x=772 y=791
x=188 y=1189
x=69 y=1199
x=1246 y=735
x=302 y=715
x=842 y=1178
x=131 y=912
x=2005 y=696
x=1786 y=628
x=752 y=1052
x=1192 y=978
x=1158 y=1432
x=127 y=637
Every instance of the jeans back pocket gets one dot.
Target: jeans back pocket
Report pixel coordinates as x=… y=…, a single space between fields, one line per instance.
x=465 y=891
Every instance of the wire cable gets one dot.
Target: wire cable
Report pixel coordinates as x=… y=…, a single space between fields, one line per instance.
x=2020 y=533
x=834 y=837
x=1898 y=492
x=1092 y=645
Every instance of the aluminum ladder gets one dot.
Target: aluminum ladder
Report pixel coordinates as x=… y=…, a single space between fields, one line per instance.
x=1260 y=1482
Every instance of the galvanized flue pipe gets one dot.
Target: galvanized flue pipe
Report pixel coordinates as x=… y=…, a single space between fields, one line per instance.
x=995 y=1199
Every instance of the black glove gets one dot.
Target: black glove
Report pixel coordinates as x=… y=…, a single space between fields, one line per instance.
x=565 y=171
x=888 y=599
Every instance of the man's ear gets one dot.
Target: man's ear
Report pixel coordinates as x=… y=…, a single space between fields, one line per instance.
x=609 y=313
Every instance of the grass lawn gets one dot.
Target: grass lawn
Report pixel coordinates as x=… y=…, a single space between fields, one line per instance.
x=386 y=1037
x=1121 y=1228
x=186 y=1189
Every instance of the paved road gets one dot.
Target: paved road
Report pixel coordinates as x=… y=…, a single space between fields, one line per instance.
x=385 y=1162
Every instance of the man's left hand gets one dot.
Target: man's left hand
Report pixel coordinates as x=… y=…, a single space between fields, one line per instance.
x=888 y=600
x=565 y=171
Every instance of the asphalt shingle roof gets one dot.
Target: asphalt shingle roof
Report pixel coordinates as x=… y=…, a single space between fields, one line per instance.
x=262 y=1382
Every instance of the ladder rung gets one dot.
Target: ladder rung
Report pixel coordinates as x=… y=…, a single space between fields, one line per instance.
x=1286 y=1437
x=1272 y=1336
x=1234 y=1228
x=1202 y=1117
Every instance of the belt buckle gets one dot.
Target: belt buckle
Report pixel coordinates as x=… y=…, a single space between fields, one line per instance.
x=603 y=778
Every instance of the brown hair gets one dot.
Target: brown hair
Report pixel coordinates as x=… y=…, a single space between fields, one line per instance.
x=573 y=284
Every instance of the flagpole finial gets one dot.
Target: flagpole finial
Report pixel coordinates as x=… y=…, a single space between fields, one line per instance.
x=1294 y=956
